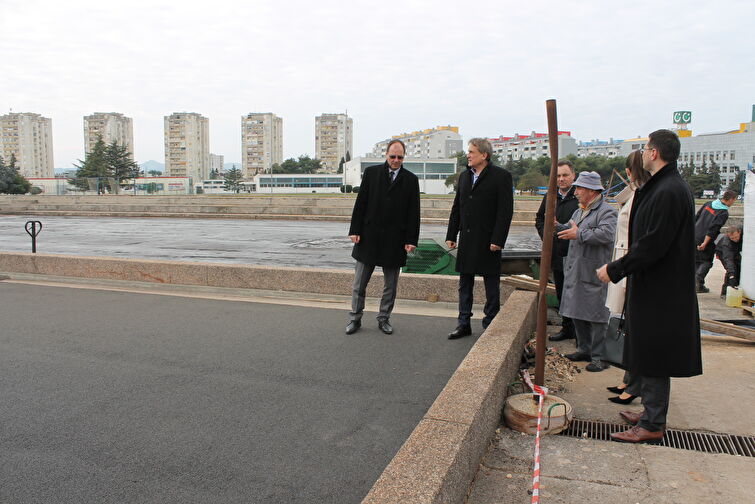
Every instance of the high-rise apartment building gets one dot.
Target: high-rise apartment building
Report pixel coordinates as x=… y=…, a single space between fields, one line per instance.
x=333 y=139
x=187 y=145
x=28 y=137
x=216 y=163
x=261 y=143
x=111 y=126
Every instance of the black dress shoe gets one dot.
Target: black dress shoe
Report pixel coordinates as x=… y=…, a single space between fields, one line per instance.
x=460 y=332
x=385 y=326
x=561 y=336
x=353 y=326
x=619 y=400
x=615 y=390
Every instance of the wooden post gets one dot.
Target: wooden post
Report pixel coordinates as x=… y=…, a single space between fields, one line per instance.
x=547 y=251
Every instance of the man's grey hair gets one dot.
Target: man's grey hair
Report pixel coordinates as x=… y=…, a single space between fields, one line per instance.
x=484 y=146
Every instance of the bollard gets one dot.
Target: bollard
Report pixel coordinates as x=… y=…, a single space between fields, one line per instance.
x=33 y=232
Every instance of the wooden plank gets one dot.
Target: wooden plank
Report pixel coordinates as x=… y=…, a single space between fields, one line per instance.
x=528 y=284
x=728 y=329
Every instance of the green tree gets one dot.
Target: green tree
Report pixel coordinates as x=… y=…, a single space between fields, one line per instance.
x=340 y=165
x=11 y=181
x=233 y=180
x=119 y=162
x=736 y=184
x=214 y=174
x=94 y=166
x=348 y=156
x=531 y=180
x=304 y=164
x=154 y=173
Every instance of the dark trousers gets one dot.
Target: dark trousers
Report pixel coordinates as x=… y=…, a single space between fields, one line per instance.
x=633 y=383
x=362 y=275
x=655 y=398
x=567 y=326
x=492 y=298
x=703 y=263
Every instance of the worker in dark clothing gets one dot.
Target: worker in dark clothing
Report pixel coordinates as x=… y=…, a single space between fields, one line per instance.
x=566 y=205
x=729 y=252
x=708 y=222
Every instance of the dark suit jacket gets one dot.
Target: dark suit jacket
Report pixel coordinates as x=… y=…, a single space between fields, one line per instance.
x=386 y=216
x=481 y=215
x=565 y=208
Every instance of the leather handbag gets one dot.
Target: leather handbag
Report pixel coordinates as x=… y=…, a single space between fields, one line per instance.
x=613 y=353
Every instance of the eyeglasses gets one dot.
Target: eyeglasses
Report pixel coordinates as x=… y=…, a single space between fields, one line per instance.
x=642 y=151
x=393 y=156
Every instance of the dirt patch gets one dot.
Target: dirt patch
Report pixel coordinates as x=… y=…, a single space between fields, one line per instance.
x=558 y=369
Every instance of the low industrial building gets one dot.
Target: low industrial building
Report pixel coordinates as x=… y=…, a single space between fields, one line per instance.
x=432 y=173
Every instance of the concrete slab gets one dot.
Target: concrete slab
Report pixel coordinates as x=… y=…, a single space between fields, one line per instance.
x=709 y=402
x=587 y=471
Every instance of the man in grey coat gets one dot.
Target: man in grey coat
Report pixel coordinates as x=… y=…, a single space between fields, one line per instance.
x=591 y=230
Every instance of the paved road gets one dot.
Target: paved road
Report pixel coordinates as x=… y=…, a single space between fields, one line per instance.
x=111 y=397
x=270 y=242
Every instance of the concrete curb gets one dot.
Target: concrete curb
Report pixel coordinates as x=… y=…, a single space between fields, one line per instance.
x=306 y=280
x=440 y=459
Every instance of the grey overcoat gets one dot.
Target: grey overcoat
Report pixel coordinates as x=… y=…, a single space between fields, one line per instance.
x=584 y=295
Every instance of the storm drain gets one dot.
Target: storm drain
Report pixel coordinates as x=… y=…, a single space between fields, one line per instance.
x=681 y=439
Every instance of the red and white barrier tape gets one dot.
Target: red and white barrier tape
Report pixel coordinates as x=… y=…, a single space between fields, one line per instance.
x=541 y=392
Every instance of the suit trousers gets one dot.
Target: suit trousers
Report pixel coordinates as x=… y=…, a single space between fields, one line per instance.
x=362 y=275
x=567 y=326
x=591 y=338
x=466 y=298
x=655 y=398
x=633 y=383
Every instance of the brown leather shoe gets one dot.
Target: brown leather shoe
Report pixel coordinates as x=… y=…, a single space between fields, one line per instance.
x=630 y=417
x=638 y=435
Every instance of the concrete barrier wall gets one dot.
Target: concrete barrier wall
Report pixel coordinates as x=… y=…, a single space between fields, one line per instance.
x=439 y=460
x=306 y=280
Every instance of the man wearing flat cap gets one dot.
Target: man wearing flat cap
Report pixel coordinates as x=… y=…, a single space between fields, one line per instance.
x=591 y=232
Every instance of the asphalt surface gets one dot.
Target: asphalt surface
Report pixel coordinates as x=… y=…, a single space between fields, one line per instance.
x=112 y=397
x=316 y=244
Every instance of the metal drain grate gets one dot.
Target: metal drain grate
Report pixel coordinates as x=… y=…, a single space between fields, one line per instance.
x=681 y=439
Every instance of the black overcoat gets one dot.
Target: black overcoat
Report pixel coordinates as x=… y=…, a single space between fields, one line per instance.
x=565 y=208
x=385 y=216
x=481 y=215
x=663 y=323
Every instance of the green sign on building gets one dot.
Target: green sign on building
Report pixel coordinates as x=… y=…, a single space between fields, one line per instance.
x=682 y=117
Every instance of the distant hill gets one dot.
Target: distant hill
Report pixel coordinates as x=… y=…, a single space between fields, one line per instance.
x=152 y=165
x=228 y=166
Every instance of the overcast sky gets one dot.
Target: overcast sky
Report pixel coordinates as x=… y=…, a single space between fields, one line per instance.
x=616 y=69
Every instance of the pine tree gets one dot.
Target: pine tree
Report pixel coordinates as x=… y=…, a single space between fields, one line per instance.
x=120 y=164
x=94 y=166
x=11 y=181
x=233 y=180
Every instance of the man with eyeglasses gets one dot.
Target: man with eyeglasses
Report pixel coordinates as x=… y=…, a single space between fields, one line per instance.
x=384 y=228
x=480 y=217
x=662 y=318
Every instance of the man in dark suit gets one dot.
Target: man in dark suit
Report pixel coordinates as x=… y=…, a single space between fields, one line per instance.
x=480 y=216
x=662 y=318
x=566 y=205
x=384 y=227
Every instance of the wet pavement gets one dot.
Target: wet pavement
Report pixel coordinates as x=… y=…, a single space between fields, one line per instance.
x=316 y=244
